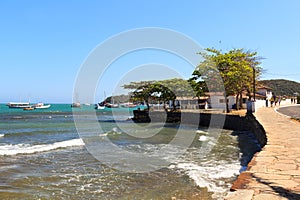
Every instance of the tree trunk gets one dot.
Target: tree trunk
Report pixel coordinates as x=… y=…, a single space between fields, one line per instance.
x=227 y=106
x=237 y=101
x=147 y=104
x=241 y=99
x=173 y=104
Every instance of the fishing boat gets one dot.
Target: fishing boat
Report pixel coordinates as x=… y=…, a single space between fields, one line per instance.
x=41 y=106
x=18 y=105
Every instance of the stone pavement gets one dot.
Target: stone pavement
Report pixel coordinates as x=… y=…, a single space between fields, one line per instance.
x=274 y=172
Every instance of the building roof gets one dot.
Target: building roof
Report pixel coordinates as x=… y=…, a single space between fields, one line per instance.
x=263 y=87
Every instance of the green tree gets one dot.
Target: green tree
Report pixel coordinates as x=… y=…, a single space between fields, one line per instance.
x=142 y=91
x=179 y=86
x=163 y=90
x=231 y=72
x=199 y=86
x=150 y=90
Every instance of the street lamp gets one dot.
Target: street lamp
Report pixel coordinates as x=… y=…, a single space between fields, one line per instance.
x=253 y=83
x=251 y=104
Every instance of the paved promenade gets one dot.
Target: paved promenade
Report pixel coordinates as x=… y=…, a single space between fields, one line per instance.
x=274 y=172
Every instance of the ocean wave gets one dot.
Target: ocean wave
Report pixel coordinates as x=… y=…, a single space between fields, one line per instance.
x=215 y=175
x=113 y=131
x=211 y=175
x=2 y=135
x=30 y=149
x=37 y=131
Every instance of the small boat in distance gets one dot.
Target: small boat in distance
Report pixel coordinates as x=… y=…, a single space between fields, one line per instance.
x=29 y=108
x=128 y=105
x=41 y=106
x=100 y=106
x=112 y=105
x=76 y=105
x=19 y=105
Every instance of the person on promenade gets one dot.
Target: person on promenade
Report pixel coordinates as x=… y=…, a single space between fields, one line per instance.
x=267 y=102
x=279 y=100
x=272 y=101
x=293 y=100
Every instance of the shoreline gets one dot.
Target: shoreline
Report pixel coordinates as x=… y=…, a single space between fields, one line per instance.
x=236 y=121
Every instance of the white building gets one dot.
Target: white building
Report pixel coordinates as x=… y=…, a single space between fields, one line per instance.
x=265 y=91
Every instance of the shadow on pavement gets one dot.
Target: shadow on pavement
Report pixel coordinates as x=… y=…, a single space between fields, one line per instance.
x=283 y=192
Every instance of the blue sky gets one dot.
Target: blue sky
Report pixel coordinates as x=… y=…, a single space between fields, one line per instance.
x=44 y=43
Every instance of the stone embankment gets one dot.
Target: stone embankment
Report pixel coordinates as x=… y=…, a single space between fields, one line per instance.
x=210 y=119
x=274 y=172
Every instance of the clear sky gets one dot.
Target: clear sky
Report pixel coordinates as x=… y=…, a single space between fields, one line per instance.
x=44 y=43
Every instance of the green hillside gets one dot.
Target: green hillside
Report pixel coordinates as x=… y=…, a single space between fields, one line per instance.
x=282 y=86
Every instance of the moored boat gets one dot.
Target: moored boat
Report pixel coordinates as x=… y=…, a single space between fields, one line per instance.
x=76 y=105
x=29 y=108
x=41 y=106
x=100 y=106
x=128 y=105
x=18 y=105
x=112 y=105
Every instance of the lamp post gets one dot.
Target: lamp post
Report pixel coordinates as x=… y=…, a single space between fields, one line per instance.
x=253 y=84
x=251 y=104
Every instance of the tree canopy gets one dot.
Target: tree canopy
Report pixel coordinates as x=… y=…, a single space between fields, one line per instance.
x=230 y=72
x=164 y=90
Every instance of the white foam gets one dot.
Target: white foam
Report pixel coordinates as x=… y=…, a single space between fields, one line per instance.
x=202 y=138
x=1 y=135
x=29 y=149
x=210 y=175
x=103 y=134
x=201 y=132
x=114 y=129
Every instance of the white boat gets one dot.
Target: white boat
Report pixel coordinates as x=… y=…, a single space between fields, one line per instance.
x=128 y=105
x=112 y=105
x=100 y=106
x=41 y=106
x=76 y=105
x=19 y=105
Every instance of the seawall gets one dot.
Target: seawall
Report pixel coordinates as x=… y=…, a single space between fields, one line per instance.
x=213 y=120
x=217 y=120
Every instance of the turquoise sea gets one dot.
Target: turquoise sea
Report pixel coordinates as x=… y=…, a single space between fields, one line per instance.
x=43 y=157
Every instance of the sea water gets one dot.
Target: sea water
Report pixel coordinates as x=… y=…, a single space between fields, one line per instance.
x=43 y=157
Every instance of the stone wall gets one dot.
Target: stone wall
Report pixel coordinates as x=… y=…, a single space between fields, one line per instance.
x=224 y=121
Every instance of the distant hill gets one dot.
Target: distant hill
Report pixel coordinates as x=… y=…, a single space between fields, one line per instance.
x=282 y=86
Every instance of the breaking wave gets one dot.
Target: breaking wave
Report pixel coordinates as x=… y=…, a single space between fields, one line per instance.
x=30 y=149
